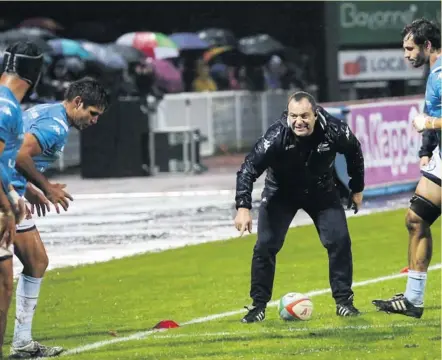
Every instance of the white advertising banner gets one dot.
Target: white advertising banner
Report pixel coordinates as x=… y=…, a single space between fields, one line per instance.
x=362 y=65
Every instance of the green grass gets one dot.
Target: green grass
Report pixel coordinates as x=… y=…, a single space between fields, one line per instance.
x=80 y=305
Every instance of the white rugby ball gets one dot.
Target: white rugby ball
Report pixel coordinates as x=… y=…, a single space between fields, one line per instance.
x=295 y=306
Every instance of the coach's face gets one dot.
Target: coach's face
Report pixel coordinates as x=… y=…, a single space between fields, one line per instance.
x=85 y=116
x=415 y=54
x=301 y=117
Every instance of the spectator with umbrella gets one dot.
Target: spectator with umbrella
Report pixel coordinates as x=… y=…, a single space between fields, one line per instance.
x=105 y=55
x=203 y=81
x=109 y=63
x=68 y=64
x=130 y=54
x=218 y=37
x=167 y=77
x=153 y=45
x=189 y=42
x=67 y=47
x=223 y=62
x=191 y=48
x=136 y=66
x=257 y=50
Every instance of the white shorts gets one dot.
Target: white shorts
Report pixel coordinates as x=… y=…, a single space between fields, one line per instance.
x=25 y=225
x=433 y=170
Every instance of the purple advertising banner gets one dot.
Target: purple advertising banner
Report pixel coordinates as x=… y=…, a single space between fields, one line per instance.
x=389 y=142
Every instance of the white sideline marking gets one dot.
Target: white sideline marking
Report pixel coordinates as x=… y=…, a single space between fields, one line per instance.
x=143 y=334
x=156 y=194
x=267 y=331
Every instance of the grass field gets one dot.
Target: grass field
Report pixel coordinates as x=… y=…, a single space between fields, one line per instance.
x=120 y=298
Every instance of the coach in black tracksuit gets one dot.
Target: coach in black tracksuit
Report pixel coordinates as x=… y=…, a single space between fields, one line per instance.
x=298 y=151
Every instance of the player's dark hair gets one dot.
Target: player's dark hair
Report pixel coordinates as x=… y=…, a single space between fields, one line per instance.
x=423 y=30
x=91 y=91
x=24 y=48
x=299 y=95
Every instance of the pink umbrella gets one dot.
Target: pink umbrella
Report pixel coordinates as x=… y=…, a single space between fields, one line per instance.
x=168 y=77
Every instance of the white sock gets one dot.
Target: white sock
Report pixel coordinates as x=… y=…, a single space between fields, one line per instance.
x=416 y=287
x=27 y=292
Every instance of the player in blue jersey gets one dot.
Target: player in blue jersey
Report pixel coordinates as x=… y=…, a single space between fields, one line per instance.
x=421 y=43
x=46 y=131
x=21 y=70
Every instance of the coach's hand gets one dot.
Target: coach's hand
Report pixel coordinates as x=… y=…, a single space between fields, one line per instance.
x=424 y=161
x=356 y=201
x=56 y=195
x=243 y=221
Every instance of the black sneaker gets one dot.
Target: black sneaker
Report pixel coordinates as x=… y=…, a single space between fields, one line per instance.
x=399 y=304
x=255 y=314
x=347 y=308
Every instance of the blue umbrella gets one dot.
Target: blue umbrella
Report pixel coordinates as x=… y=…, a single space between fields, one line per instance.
x=105 y=55
x=189 y=41
x=68 y=47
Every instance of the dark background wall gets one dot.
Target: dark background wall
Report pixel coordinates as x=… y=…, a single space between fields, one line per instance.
x=291 y=22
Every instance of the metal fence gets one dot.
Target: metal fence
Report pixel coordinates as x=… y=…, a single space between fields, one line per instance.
x=230 y=120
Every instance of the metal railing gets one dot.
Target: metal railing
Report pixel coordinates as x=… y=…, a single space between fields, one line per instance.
x=229 y=120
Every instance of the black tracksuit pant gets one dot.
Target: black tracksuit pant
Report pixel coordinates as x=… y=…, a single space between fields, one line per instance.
x=275 y=215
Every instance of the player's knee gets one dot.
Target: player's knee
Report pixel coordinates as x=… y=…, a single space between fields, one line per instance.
x=43 y=262
x=413 y=222
x=424 y=213
x=39 y=265
x=336 y=240
x=266 y=249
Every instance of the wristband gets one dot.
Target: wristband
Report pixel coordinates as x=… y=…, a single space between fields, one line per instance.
x=13 y=197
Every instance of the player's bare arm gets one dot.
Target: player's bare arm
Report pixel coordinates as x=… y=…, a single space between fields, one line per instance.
x=25 y=165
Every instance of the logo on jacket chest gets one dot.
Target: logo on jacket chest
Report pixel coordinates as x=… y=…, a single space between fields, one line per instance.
x=323 y=147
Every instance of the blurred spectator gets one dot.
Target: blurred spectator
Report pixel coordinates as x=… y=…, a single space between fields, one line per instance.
x=187 y=67
x=203 y=81
x=273 y=73
x=144 y=76
x=219 y=74
x=254 y=77
x=224 y=77
x=233 y=81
